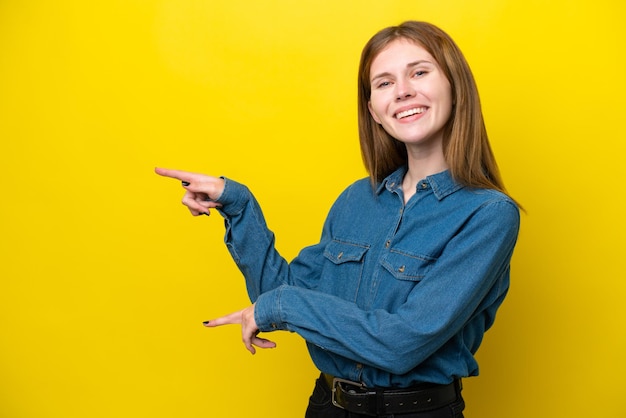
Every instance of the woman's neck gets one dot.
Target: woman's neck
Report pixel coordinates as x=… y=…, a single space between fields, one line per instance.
x=420 y=167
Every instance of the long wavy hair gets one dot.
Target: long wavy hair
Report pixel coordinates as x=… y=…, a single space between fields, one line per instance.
x=466 y=145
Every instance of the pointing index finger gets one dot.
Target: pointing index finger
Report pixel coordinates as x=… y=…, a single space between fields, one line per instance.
x=174 y=174
x=233 y=318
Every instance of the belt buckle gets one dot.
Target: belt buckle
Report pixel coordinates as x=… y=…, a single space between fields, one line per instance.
x=336 y=382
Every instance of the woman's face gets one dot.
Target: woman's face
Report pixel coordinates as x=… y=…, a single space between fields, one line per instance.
x=411 y=97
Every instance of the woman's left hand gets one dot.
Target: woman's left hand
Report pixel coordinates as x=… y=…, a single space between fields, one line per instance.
x=249 y=330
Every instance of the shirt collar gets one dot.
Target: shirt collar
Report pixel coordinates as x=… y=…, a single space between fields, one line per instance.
x=441 y=183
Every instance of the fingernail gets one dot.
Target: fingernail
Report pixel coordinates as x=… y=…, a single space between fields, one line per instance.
x=185 y=183
x=205 y=323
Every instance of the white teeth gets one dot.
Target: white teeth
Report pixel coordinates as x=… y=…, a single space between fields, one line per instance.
x=410 y=112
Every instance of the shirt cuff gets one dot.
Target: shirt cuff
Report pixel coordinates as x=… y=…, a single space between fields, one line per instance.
x=233 y=198
x=267 y=313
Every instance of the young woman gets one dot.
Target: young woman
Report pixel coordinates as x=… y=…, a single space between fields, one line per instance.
x=413 y=262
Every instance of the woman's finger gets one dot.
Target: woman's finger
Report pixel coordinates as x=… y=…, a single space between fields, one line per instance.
x=263 y=342
x=233 y=318
x=198 y=203
x=249 y=330
x=191 y=203
x=255 y=340
x=176 y=174
x=200 y=186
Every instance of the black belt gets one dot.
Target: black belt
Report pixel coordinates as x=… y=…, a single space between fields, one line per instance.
x=357 y=398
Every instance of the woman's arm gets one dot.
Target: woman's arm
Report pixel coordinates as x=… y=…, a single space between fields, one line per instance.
x=247 y=237
x=465 y=286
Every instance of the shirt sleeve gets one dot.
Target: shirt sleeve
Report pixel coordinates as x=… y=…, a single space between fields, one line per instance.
x=467 y=283
x=252 y=245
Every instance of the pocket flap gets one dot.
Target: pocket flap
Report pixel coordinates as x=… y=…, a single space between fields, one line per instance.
x=341 y=252
x=407 y=267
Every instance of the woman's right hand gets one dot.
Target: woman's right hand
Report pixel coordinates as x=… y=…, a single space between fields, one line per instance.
x=249 y=329
x=201 y=191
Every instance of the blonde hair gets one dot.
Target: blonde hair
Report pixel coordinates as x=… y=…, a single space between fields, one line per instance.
x=466 y=145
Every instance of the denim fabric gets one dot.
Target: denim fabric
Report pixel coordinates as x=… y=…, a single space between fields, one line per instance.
x=393 y=294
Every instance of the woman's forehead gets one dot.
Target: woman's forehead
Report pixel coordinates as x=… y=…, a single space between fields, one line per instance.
x=401 y=51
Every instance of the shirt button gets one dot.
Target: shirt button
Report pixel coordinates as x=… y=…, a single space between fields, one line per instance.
x=401 y=269
x=340 y=255
x=359 y=366
x=274 y=326
x=424 y=185
x=387 y=244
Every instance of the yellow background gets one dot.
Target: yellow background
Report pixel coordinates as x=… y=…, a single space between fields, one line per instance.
x=105 y=278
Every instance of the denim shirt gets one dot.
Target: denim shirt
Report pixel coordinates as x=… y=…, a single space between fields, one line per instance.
x=393 y=294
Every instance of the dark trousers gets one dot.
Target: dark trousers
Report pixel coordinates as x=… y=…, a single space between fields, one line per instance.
x=321 y=406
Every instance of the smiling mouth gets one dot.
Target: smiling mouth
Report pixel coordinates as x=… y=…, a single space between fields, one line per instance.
x=410 y=112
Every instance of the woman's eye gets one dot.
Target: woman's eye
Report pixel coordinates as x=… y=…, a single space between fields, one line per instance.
x=419 y=73
x=383 y=84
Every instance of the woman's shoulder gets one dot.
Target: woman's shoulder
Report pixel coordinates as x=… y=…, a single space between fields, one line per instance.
x=359 y=188
x=357 y=192
x=488 y=195
x=445 y=186
x=496 y=197
x=481 y=198
x=490 y=203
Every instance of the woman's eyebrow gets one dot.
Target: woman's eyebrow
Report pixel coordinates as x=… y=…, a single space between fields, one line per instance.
x=418 y=62
x=380 y=75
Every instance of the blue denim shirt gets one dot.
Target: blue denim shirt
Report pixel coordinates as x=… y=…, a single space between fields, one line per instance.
x=393 y=294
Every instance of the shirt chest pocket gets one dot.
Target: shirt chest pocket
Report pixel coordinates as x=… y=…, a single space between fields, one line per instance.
x=343 y=271
x=340 y=252
x=407 y=266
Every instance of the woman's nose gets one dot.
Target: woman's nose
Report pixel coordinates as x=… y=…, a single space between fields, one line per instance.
x=404 y=90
